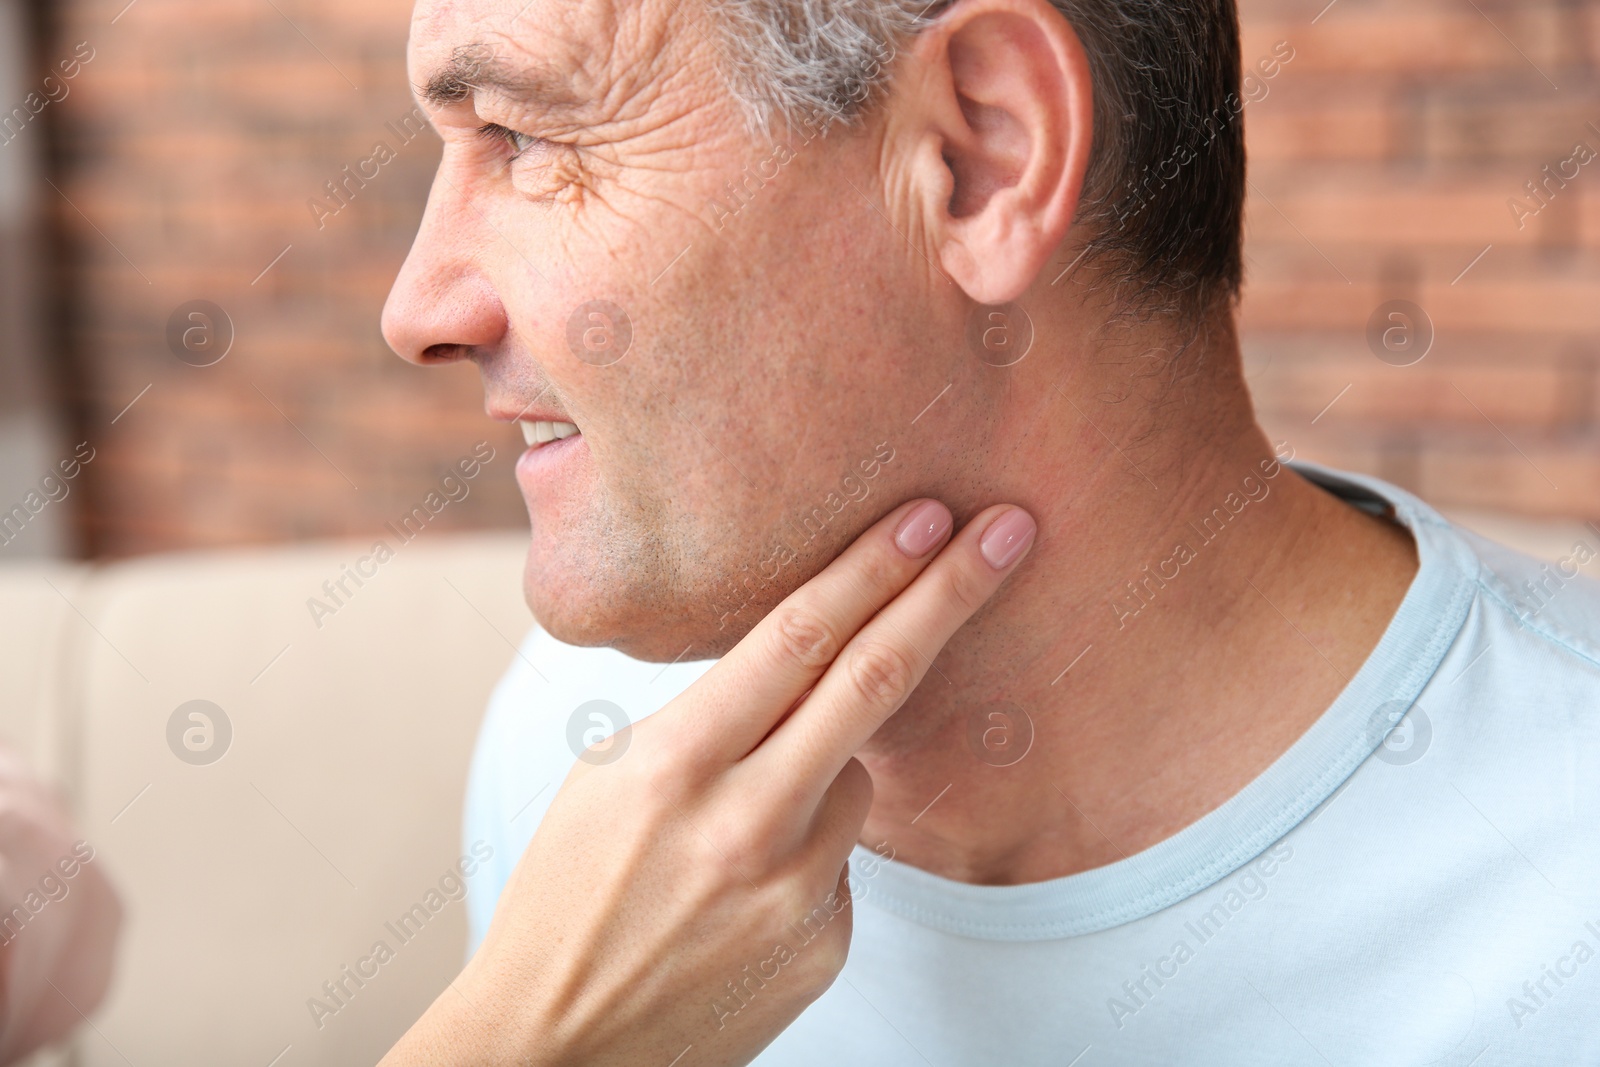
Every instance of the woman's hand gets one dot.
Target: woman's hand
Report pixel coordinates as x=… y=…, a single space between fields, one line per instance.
x=692 y=895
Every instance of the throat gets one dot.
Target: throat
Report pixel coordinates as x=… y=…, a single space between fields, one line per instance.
x=1137 y=726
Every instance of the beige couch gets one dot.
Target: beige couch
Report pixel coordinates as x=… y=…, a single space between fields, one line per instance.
x=253 y=880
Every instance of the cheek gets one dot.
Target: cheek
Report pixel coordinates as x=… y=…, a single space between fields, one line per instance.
x=760 y=368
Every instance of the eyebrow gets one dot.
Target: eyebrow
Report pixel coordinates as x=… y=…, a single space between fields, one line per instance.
x=478 y=68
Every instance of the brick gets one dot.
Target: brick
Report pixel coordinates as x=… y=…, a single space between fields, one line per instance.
x=1317 y=125
x=1424 y=39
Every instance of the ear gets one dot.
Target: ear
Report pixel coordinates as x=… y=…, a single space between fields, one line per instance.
x=1002 y=140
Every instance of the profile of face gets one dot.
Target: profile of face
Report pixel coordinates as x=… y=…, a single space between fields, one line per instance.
x=758 y=349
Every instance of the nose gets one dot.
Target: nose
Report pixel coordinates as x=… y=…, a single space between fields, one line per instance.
x=443 y=304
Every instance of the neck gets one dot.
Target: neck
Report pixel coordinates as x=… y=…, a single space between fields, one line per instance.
x=1189 y=608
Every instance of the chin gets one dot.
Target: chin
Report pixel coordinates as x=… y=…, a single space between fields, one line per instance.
x=583 y=611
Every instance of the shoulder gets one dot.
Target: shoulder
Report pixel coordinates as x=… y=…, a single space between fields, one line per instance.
x=1535 y=609
x=1516 y=696
x=546 y=708
x=553 y=700
x=1548 y=601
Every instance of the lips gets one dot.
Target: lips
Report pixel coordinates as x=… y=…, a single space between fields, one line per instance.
x=553 y=465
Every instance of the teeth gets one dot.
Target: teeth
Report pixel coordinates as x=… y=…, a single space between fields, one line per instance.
x=539 y=432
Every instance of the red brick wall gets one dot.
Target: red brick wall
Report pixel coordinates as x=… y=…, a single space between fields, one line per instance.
x=192 y=145
x=1382 y=161
x=1382 y=158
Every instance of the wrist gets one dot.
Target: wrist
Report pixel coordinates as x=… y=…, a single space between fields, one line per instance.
x=467 y=1025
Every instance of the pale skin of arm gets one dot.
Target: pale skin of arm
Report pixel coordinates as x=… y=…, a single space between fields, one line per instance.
x=55 y=969
x=654 y=881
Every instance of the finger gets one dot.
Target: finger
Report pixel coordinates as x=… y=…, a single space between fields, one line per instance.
x=739 y=700
x=887 y=658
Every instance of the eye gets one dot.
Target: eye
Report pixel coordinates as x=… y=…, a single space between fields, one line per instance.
x=518 y=142
x=537 y=167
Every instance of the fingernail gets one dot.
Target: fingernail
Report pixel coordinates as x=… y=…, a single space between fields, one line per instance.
x=1006 y=537
x=925 y=527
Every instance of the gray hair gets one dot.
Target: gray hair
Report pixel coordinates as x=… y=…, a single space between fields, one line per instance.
x=1166 y=98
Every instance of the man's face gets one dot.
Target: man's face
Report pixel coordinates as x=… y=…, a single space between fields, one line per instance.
x=784 y=334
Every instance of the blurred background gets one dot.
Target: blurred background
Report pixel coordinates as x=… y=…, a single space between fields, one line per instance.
x=201 y=208
x=191 y=157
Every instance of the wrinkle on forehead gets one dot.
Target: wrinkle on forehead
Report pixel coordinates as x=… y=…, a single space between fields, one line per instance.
x=602 y=52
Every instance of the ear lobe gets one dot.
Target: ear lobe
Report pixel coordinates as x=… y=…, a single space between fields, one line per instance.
x=1015 y=133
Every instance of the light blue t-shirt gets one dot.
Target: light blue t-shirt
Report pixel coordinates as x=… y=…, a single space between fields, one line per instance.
x=1415 y=881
